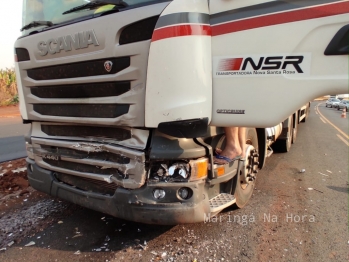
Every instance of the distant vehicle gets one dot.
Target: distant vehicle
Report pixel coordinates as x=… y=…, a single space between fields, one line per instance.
x=332 y=102
x=343 y=104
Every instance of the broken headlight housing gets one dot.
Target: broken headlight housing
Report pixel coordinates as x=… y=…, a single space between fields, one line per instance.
x=178 y=171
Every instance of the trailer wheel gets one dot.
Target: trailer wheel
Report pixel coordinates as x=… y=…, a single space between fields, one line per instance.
x=295 y=127
x=284 y=145
x=307 y=113
x=244 y=183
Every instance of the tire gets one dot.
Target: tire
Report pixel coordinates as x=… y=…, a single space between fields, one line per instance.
x=306 y=114
x=295 y=128
x=284 y=145
x=242 y=189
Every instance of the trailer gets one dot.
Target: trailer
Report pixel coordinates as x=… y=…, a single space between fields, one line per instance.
x=128 y=100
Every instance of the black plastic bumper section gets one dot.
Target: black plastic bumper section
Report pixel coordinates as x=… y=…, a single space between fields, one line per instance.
x=135 y=205
x=190 y=128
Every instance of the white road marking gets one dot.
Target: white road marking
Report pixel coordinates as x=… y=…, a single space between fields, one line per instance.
x=343 y=139
x=340 y=131
x=323 y=120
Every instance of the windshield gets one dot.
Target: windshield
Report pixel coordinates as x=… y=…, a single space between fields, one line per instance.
x=52 y=11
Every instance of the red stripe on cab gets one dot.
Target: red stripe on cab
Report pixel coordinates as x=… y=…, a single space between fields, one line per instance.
x=282 y=18
x=180 y=30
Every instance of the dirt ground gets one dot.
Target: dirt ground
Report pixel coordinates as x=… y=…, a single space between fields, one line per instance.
x=9 y=111
x=23 y=210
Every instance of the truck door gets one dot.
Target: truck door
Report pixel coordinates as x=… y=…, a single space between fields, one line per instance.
x=271 y=57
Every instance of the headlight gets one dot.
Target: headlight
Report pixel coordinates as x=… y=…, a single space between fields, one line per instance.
x=180 y=171
x=159 y=193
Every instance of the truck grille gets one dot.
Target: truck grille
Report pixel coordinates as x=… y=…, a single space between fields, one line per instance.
x=83 y=167
x=82 y=110
x=81 y=69
x=87 y=184
x=76 y=154
x=136 y=138
x=120 y=134
x=82 y=90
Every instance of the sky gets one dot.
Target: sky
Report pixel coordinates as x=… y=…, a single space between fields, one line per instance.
x=10 y=24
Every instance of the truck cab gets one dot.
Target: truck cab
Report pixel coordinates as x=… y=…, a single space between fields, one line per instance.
x=127 y=100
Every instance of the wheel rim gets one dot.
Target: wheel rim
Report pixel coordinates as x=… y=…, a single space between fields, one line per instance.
x=250 y=168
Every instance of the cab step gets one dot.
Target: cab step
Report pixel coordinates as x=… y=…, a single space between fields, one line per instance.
x=218 y=203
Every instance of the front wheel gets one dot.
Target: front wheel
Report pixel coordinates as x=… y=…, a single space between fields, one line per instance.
x=244 y=182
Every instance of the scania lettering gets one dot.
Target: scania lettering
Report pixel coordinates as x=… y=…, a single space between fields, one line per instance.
x=79 y=40
x=127 y=100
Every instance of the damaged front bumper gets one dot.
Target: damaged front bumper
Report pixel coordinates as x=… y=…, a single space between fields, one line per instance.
x=137 y=205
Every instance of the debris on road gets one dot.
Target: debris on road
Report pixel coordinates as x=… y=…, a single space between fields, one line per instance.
x=310 y=188
x=60 y=222
x=302 y=171
x=11 y=243
x=143 y=247
x=329 y=171
x=18 y=170
x=77 y=252
x=322 y=174
x=78 y=235
x=31 y=243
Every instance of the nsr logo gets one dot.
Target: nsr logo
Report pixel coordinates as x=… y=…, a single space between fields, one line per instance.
x=264 y=63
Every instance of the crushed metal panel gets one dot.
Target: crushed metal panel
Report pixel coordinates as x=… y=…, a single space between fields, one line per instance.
x=57 y=155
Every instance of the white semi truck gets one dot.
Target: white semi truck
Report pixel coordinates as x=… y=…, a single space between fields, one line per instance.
x=127 y=99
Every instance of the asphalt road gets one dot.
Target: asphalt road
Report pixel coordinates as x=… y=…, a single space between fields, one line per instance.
x=292 y=216
x=12 y=144
x=332 y=117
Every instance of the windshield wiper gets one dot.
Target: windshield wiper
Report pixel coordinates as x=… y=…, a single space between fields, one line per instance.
x=96 y=3
x=35 y=24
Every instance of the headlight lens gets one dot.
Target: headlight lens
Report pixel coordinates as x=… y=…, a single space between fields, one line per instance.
x=185 y=193
x=159 y=193
x=180 y=171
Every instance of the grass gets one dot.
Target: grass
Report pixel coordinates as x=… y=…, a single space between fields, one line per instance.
x=8 y=87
